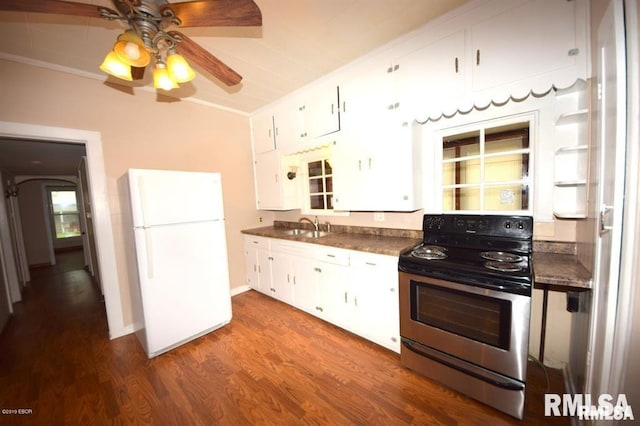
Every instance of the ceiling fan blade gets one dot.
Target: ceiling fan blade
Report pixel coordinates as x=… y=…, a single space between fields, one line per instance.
x=52 y=6
x=194 y=53
x=217 y=13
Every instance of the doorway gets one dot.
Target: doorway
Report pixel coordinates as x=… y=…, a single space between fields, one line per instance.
x=101 y=214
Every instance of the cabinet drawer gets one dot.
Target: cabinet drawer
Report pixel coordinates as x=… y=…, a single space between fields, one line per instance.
x=251 y=241
x=332 y=255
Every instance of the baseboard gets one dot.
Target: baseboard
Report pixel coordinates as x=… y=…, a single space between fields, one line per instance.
x=239 y=290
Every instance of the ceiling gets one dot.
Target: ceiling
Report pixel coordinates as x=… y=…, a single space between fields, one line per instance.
x=299 y=42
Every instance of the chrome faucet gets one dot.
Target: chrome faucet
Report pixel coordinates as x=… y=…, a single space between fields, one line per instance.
x=314 y=223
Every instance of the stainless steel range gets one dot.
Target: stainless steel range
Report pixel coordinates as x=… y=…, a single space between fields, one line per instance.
x=465 y=303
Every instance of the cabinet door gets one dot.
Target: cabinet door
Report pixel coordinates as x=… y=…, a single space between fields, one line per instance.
x=282 y=277
x=530 y=38
x=432 y=76
x=334 y=298
x=273 y=190
x=305 y=285
x=288 y=125
x=251 y=262
x=375 y=299
x=320 y=111
x=267 y=174
x=263 y=132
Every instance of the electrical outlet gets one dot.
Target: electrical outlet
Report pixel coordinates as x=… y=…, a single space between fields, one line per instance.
x=260 y=219
x=378 y=216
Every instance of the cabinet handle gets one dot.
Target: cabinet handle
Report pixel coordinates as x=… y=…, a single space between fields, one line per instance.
x=359 y=165
x=355 y=300
x=394 y=339
x=392 y=290
x=276 y=176
x=344 y=106
x=318 y=308
x=478 y=57
x=345 y=297
x=288 y=280
x=276 y=131
x=317 y=269
x=331 y=255
x=294 y=280
x=370 y=263
x=331 y=109
x=369 y=163
x=269 y=133
x=456 y=65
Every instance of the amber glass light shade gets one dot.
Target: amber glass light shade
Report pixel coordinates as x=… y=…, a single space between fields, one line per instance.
x=112 y=65
x=131 y=49
x=178 y=67
x=162 y=79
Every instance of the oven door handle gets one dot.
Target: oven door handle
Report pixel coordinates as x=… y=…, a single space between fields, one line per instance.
x=465 y=367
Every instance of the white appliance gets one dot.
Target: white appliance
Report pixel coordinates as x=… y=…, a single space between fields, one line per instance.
x=181 y=252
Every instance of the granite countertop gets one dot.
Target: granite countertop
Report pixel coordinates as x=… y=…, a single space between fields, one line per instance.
x=385 y=241
x=556 y=264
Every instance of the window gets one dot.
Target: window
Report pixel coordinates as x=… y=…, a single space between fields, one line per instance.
x=64 y=207
x=320 y=182
x=487 y=169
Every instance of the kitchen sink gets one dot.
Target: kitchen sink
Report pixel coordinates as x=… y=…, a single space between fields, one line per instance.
x=315 y=234
x=305 y=233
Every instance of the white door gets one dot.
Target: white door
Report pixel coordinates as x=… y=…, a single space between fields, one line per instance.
x=610 y=143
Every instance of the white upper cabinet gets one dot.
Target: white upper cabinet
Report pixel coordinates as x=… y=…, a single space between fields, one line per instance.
x=319 y=111
x=375 y=156
x=433 y=74
x=263 y=132
x=273 y=190
x=531 y=38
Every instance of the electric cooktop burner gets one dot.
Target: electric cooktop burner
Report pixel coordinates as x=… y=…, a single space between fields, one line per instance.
x=430 y=252
x=501 y=256
x=502 y=266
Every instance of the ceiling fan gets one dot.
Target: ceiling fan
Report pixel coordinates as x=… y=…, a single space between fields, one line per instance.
x=149 y=37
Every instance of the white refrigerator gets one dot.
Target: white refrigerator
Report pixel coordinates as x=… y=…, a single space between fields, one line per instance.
x=181 y=252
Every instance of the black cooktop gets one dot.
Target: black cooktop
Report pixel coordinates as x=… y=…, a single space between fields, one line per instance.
x=491 y=251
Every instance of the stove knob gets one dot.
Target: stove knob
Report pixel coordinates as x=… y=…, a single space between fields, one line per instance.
x=520 y=225
x=507 y=225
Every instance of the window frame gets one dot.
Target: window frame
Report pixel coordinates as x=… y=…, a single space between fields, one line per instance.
x=53 y=214
x=481 y=127
x=324 y=154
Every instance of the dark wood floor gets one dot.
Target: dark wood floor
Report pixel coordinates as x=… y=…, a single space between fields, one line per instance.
x=272 y=365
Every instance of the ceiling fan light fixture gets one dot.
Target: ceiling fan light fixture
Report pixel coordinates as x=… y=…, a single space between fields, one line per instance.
x=112 y=65
x=131 y=49
x=161 y=77
x=179 y=68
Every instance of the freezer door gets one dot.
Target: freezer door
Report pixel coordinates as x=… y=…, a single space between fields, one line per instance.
x=160 y=197
x=184 y=282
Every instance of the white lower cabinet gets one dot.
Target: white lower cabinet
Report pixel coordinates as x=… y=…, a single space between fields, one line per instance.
x=258 y=266
x=353 y=290
x=374 y=293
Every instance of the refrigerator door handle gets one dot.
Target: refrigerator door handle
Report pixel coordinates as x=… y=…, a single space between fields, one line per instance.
x=149 y=250
x=143 y=201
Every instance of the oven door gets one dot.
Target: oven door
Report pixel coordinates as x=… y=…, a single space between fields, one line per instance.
x=484 y=327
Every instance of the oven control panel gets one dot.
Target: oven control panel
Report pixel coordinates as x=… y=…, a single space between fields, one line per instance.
x=520 y=227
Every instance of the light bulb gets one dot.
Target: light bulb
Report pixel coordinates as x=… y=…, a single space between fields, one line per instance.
x=132 y=51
